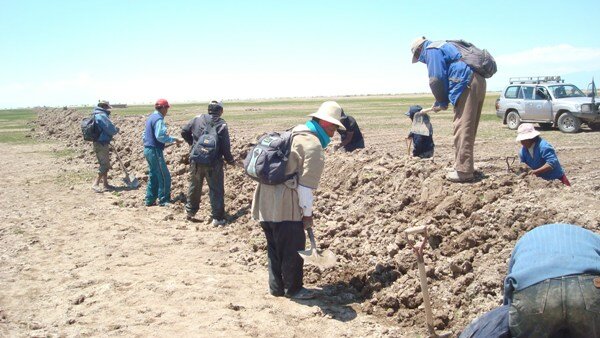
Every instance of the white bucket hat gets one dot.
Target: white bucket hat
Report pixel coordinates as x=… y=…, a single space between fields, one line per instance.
x=414 y=46
x=526 y=131
x=331 y=112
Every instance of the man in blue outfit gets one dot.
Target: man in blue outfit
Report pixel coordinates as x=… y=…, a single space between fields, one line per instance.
x=101 y=146
x=155 y=137
x=539 y=155
x=553 y=283
x=452 y=81
x=213 y=172
x=422 y=145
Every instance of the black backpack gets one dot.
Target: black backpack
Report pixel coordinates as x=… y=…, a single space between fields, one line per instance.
x=206 y=149
x=480 y=60
x=90 y=129
x=267 y=160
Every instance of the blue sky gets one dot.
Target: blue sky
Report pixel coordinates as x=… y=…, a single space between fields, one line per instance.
x=76 y=52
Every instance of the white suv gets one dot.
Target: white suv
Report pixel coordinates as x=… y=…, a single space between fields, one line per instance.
x=548 y=101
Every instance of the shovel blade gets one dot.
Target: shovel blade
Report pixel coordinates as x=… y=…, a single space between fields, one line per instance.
x=321 y=258
x=131 y=181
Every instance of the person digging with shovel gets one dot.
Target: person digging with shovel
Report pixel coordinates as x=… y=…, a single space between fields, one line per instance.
x=285 y=210
x=102 y=145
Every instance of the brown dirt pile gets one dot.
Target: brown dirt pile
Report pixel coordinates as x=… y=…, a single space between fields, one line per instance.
x=365 y=200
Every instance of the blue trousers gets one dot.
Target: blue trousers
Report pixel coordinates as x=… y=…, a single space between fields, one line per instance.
x=159 y=178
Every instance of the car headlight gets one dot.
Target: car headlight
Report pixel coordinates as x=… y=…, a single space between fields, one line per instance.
x=586 y=108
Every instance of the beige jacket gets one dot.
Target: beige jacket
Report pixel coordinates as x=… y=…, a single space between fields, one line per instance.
x=278 y=203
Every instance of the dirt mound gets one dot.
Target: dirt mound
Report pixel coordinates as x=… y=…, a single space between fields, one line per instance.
x=365 y=201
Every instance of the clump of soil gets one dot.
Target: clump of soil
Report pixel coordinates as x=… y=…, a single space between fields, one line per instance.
x=365 y=201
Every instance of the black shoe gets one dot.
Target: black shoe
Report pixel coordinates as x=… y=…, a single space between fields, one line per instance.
x=303 y=293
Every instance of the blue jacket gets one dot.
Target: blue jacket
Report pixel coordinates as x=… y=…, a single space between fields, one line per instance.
x=551 y=251
x=448 y=74
x=543 y=153
x=155 y=134
x=106 y=127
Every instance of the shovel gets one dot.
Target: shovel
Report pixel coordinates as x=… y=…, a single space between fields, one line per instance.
x=418 y=124
x=321 y=258
x=129 y=179
x=423 y=277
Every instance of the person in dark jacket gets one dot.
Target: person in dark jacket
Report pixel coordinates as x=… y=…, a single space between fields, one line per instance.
x=422 y=145
x=212 y=172
x=453 y=81
x=155 y=137
x=102 y=145
x=352 y=137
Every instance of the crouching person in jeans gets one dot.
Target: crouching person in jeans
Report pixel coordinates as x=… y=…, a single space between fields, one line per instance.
x=285 y=210
x=553 y=283
x=212 y=170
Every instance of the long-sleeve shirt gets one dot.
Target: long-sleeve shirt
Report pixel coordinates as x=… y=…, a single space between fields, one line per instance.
x=542 y=153
x=551 y=251
x=159 y=130
x=448 y=74
x=106 y=127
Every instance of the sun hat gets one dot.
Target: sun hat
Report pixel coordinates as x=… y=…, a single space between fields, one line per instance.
x=414 y=47
x=413 y=110
x=162 y=103
x=331 y=112
x=104 y=103
x=526 y=131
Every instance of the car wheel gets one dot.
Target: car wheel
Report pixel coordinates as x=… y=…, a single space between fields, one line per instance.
x=595 y=126
x=545 y=126
x=513 y=120
x=567 y=123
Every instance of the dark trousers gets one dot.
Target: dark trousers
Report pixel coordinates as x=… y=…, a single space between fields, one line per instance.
x=558 y=307
x=360 y=144
x=284 y=240
x=216 y=189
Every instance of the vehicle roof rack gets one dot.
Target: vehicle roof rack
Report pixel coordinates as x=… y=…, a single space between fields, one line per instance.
x=536 y=79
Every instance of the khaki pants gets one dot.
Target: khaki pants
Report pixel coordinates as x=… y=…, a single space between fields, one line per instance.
x=467 y=113
x=103 y=156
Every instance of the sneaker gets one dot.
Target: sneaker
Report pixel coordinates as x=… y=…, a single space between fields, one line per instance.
x=459 y=176
x=217 y=222
x=303 y=293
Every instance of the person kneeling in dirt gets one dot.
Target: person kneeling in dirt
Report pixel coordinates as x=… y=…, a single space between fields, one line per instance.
x=212 y=170
x=553 y=283
x=155 y=137
x=422 y=145
x=101 y=146
x=352 y=138
x=285 y=210
x=539 y=155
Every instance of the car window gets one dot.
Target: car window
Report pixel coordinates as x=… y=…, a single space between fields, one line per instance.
x=512 y=92
x=527 y=93
x=563 y=91
x=541 y=93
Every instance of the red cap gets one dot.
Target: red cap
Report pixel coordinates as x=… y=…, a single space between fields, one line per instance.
x=162 y=103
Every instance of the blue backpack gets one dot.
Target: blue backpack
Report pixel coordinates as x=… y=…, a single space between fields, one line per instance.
x=267 y=160
x=206 y=149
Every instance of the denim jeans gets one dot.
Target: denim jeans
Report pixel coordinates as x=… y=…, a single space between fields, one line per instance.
x=159 y=178
x=284 y=240
x=216 y=189
x=567 y=306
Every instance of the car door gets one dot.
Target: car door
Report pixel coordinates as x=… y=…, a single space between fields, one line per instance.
x=539 y=106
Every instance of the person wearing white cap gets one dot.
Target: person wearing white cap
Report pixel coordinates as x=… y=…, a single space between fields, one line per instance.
x=285 y=210
x=453 y=81
x=539 y=155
